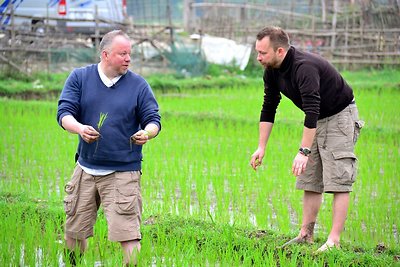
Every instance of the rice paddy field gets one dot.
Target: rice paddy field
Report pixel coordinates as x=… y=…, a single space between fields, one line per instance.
x=203 y=204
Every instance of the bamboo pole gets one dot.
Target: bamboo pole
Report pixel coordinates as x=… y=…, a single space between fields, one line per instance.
x=334 y=21
x=12 y=64
x=48 y=40
x=346 y=37
x=187 y=15
x=96 y=31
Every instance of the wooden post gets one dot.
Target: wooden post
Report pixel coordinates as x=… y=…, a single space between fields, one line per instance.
x=346 y=38
x=171 y=29
x=187 y=12
x=97 y=30
x=243 y=22
x=362 y=28
x=323 y=9
x=334 y=21
x=292 y=8
x=48 y=40
x=310 y=7
x=12 y=40
x=313 y=26
x=353 y=26
x=12 y=24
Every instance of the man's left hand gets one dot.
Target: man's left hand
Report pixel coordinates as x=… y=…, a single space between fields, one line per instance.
x=140 y=137
x=299 y=164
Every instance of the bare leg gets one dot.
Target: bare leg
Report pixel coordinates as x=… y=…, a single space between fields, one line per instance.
x=311 y=204
x=131 y=248
x=339 y=214
x=340 y=208
x=73 y=245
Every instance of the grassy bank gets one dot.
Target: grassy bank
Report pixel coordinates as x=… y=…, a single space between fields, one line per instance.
x=49 y=86
x=168 y=240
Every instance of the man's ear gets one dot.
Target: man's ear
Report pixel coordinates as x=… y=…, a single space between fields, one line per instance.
x=104 y=53
x=281 y=51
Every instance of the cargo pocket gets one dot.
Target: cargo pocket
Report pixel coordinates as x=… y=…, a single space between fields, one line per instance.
x=71 y=199
x=126 y=202
x=345 y=167
x=357 y=129
x=72 y=190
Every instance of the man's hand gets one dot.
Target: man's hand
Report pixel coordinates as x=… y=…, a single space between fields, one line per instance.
x=140 y=137
x=89 y=134
x=256 y=158
x=299 y=164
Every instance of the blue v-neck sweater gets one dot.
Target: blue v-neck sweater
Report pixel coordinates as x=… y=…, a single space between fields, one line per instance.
x=129 y=104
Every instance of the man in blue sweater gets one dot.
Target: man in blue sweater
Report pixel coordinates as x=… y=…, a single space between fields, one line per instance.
x=114 y=112
x=325 y=162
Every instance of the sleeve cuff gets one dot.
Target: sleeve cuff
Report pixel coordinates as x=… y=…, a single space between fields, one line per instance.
x=311 y=121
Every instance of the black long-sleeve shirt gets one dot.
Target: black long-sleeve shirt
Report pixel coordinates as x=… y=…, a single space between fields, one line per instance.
x=312 y=84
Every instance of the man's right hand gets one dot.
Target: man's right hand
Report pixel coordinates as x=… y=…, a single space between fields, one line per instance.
x=256 y=159
x=89 y=134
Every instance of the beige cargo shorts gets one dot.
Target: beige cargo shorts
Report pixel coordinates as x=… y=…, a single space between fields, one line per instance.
x=332 y=164
x=119 y=194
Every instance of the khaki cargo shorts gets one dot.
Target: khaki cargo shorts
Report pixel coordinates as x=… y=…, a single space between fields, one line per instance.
x=120 y=195
x=332 y=164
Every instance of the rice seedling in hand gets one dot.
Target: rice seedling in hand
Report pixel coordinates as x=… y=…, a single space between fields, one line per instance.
x=102 y=118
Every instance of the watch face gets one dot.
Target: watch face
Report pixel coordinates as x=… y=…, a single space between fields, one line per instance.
x=305 y=151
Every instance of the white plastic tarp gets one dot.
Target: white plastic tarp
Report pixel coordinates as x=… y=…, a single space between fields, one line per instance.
x=224 y=51
x=216 y=50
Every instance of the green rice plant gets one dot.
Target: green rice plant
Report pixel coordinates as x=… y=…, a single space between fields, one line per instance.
x=102 y=118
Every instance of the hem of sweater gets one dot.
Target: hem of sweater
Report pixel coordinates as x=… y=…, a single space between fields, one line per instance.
x=111 y=165
x=336 y=111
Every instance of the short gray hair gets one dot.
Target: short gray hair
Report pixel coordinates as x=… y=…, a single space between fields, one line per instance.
x=108 y=38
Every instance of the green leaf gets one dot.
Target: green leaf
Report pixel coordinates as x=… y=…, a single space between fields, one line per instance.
x=103 y=117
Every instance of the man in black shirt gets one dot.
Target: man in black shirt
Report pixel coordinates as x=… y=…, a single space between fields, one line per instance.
x=325 y=161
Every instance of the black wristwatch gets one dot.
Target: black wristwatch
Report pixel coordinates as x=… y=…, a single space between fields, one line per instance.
x=305 y=151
